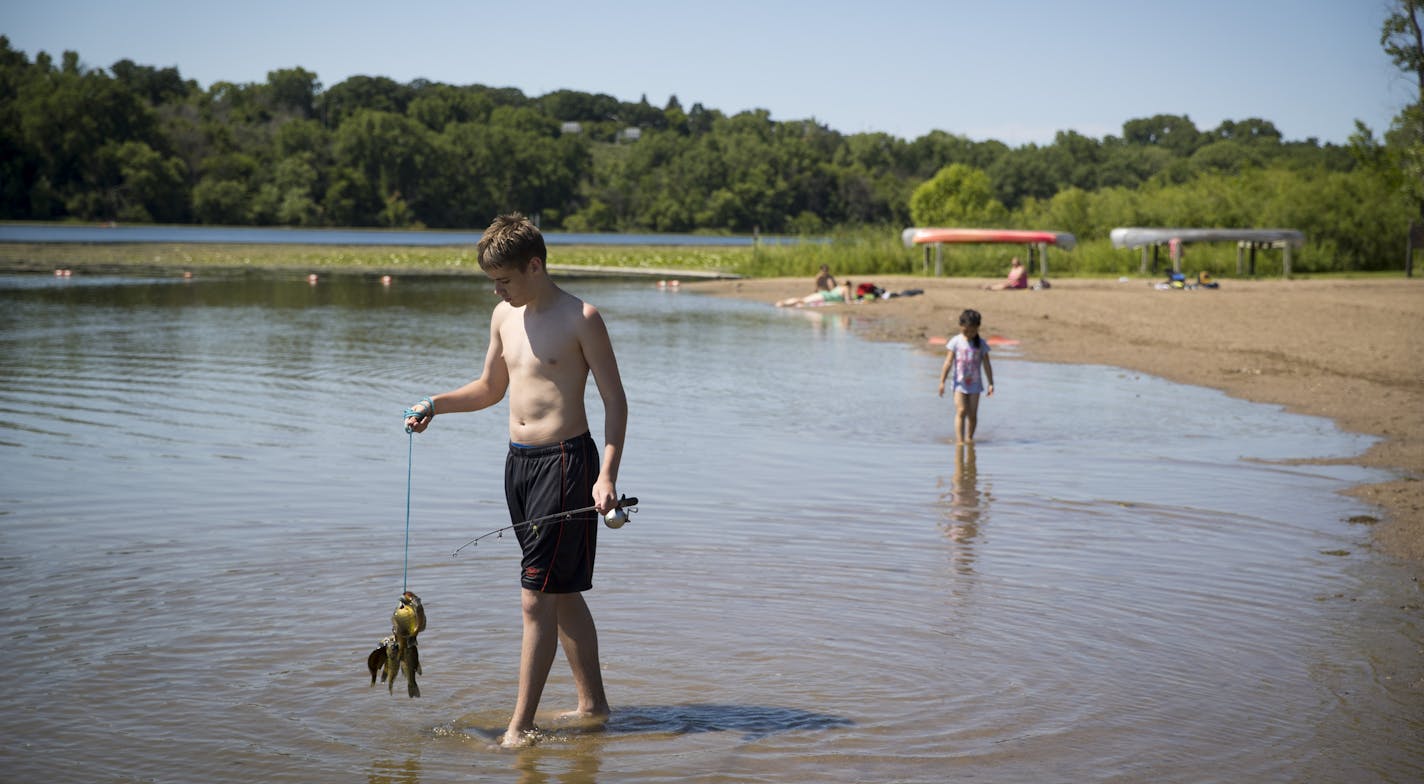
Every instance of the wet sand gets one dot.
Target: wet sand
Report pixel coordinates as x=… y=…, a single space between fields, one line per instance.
x=1350 y=350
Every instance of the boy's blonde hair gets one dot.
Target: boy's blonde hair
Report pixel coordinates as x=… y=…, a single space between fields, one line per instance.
x=510 y=242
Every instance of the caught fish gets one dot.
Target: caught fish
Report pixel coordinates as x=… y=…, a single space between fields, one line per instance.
x=376 y=662
x=392 y=664
x=399 y=651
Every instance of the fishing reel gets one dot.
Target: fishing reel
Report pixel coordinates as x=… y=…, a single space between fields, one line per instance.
x=618 y=515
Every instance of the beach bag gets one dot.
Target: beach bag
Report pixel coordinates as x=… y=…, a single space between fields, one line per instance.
x=868 y=290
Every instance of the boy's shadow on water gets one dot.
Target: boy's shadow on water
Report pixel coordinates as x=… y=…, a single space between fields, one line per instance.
x=753 y=721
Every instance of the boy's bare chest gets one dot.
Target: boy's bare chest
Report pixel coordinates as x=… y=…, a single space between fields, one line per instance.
x=540 y=351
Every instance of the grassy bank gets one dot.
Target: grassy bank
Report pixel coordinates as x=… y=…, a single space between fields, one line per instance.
x=43 y=257
x=852 y=254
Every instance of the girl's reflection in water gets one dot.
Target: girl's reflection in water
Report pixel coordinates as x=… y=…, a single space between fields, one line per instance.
x=964 y=509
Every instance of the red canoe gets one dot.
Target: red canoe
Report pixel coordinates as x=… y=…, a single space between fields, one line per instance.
x=927 y=236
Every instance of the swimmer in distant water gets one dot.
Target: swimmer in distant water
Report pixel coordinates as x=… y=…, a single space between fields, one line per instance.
x=968 y=356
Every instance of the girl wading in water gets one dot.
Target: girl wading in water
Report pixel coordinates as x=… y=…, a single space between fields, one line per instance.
x=968 y=359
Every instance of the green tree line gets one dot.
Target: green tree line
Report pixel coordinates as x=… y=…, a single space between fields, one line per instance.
x=136 y=143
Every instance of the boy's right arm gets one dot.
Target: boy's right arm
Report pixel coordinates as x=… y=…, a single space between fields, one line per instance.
x=481 y=393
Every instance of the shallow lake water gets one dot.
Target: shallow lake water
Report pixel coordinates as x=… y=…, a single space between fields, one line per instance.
x=202 y=530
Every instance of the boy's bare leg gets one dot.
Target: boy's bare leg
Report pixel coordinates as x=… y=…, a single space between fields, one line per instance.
x=535 y=658
x=579 y=637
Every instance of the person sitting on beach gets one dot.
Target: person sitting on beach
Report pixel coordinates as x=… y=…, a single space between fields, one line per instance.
x=1018 y=277
x=825 y=281
x=841 y=293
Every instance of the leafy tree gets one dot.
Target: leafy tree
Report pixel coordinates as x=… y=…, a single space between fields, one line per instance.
x=150 y=186
x=18 y=173
x=700 y=120
x=290 y=198
x=1029 y=172
x=241 y=108
x=958 y=195
x=1252 y=130
x=157 y=86
x=392 y=154
x=1403 y=40
x=1176 y=133
x=595 y=216
x=350 y=200
x=674 y=117
x=1225 y=157
x=294 y=90
x=574 y=106
x=442 y=105
x=1129 y=166
x=870 y=152
x=362 y=93
x=1078 y=159
x=68 y=120
x=935 y=150
x=219 y=201
x=641 y=115
x=1069 y=210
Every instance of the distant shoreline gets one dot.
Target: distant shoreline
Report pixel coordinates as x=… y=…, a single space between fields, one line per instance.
x=639 y=261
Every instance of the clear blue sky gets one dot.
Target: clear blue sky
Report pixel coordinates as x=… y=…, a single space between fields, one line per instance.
x=1012 y=70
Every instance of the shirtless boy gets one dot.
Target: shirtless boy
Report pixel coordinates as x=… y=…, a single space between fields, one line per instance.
x=543 y=344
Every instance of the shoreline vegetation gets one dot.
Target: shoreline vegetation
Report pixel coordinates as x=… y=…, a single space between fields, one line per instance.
x=1346 y=348
x=373 y=259
x=859 y=253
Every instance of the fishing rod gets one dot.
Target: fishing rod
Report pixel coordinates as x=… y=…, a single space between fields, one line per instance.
x=616 y=520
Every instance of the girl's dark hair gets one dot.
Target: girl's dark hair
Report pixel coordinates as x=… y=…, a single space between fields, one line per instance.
x=971 y=318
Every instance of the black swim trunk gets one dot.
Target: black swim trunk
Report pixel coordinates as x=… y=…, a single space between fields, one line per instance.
x=545 y=480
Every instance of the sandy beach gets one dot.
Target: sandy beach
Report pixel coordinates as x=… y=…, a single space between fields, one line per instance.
x=1350 y=350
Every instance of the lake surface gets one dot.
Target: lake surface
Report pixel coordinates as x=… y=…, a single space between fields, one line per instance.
x=22 y=232
x=202 y=527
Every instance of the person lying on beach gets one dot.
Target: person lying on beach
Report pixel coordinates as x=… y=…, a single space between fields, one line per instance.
x=1018 y=277
x=838 y=294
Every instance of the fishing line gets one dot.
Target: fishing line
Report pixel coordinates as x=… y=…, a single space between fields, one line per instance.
x=409 y=472
x=625 y=502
